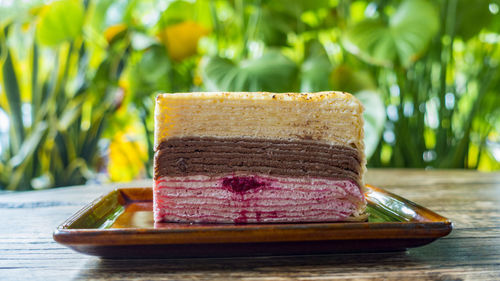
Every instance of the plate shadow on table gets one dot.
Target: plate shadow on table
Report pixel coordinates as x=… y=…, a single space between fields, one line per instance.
x=433 y=261
x=242 y=266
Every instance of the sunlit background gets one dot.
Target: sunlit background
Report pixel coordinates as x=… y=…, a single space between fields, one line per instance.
x=78 y=78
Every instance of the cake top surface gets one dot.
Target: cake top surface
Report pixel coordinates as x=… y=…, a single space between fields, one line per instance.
x=318 y=96
x=332 y=117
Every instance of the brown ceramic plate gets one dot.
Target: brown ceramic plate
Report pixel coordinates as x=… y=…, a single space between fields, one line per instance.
x=120 y=225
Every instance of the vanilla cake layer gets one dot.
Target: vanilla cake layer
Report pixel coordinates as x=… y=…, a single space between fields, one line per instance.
x=258 y=157
x=330 y=117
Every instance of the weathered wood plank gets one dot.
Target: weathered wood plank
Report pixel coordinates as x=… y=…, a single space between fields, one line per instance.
x=472 y=251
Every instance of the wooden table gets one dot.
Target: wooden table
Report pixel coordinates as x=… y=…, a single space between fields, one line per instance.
x=472 y=251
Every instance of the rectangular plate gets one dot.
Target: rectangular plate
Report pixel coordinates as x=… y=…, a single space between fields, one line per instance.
x=120 y=225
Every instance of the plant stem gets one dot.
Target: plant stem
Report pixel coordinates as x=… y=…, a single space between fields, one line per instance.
x=446 y=55
x=253 y=23
x=240 y=8
x=462 y=149
x=143 y=114
x=215 y=20
x=35 y=93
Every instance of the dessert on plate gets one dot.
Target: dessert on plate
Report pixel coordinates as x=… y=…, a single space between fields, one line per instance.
x=229 y=157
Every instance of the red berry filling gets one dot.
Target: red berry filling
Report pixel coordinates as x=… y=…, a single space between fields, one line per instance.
x=241 y=184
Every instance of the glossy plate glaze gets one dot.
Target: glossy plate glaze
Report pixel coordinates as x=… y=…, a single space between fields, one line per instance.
x=120 y=225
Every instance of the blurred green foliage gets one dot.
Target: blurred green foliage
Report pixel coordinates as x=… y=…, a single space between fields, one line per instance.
x=78 y=78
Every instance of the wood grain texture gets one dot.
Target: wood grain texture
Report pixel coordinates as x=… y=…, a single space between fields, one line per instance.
x=471 y=252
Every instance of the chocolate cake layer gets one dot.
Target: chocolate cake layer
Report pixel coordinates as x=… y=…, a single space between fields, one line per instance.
x=215 y=156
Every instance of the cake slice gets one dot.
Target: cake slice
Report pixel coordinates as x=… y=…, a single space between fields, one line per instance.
x=258 y=158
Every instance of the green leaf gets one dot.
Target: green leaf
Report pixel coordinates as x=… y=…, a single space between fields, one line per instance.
x=202 y=13
x=281 y=17
x=178 y=11
x=35 y=93
x=399 y=41
x=14 y=100
x=151 y=73
x=181 y=11
x=274 y=27
x=61 y=21
x=97 y=18
x=374 y=116
x=345 y=78
x=30 y=145
x=470 y=19
x=154 y=64
x=272 y=72
x=315 y=70
x=71 y=112
x=297 y=7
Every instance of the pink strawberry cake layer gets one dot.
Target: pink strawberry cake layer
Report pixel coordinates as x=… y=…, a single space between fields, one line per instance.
x=254 y=199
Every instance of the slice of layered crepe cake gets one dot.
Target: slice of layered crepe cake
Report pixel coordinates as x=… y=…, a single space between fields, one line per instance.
x=258 y=158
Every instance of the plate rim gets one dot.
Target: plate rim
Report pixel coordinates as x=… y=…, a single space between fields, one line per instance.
x=251 y=233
